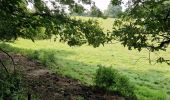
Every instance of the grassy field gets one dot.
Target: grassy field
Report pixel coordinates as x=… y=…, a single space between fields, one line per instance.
x=152 y=80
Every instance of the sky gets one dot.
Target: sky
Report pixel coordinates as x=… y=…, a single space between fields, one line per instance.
x=102 y=4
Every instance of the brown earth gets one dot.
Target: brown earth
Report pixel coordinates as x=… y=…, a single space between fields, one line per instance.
x=51 y=86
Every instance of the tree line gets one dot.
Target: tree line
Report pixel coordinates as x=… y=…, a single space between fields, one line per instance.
x=112 y=11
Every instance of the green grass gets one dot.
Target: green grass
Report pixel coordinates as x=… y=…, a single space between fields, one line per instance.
x=152 y=80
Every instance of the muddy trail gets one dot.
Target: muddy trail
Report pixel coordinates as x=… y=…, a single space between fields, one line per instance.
x=51 y=86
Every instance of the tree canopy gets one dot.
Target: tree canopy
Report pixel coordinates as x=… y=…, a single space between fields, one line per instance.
x=42 y=21
x=145 y=24
x=113 y=10
x=95 y=12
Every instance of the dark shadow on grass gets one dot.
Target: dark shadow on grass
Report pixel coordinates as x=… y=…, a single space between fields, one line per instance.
x=57 y=62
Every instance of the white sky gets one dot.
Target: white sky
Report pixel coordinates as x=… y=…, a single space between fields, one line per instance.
x=102 y=4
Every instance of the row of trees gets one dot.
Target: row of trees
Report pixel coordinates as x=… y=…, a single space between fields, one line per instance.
x=111 y=11
x=93 y=12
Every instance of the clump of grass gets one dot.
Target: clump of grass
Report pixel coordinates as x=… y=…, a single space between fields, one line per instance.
x=46 y=57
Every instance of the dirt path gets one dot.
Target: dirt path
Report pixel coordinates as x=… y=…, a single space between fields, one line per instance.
x=51 y=86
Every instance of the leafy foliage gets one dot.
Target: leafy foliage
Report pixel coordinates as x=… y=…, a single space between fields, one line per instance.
x=111 y=80
x=145 y=25
x=42 y=21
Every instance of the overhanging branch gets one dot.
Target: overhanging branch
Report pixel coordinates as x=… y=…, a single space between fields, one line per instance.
x=4 y=66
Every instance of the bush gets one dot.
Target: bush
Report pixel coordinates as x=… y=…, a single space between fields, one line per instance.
x=112 y=81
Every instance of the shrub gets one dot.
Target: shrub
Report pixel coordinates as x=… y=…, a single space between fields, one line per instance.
x=112 y=81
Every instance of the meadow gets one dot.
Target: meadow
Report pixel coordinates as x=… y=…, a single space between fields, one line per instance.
x=152 y=81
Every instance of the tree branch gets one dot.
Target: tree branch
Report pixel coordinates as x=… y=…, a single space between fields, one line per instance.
x=168 y=14
x=4 y=66
x=9 y=57
x=164 y=43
